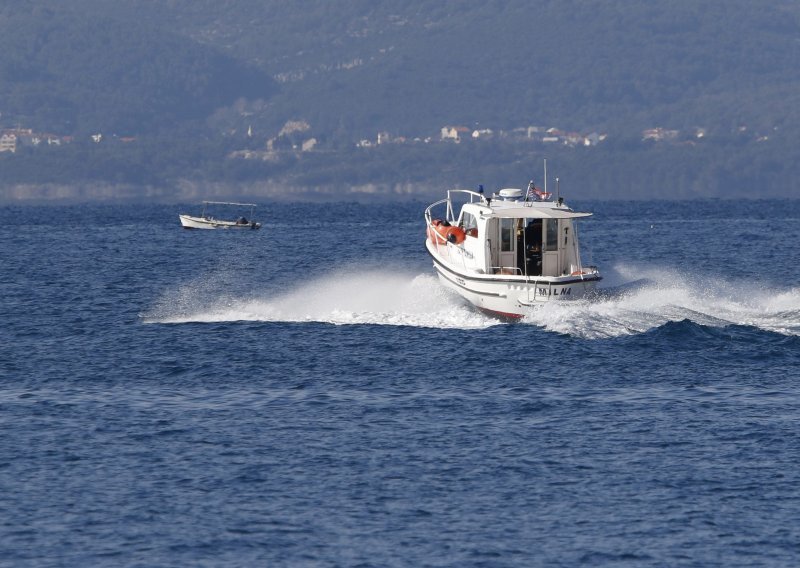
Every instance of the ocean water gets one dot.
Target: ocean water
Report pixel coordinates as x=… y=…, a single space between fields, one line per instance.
x=309 y=395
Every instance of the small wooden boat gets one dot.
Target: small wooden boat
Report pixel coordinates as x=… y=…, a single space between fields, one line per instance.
x=207 y=221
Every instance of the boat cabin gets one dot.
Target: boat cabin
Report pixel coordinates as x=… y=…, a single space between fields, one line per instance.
x=507 y=235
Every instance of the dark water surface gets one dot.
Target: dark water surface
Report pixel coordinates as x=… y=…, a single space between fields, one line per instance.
x=308 y=394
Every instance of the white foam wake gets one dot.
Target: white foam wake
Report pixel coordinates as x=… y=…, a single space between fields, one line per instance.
x=672 y=296
x=390 y=298
x=363 y=298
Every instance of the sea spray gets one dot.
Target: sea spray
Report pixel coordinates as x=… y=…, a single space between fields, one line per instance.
x=366 y=297
x=670 y=296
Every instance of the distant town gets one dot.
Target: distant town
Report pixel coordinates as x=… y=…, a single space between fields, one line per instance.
x=296 y=136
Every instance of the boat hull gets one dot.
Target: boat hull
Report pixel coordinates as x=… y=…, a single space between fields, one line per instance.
x=191 y=222
x=510 y=297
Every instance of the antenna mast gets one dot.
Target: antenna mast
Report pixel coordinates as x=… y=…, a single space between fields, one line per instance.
x=545 y=175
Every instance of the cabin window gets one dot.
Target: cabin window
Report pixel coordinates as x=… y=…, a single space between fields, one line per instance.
x=469 y=224
x=552 y=234
x=506 y=234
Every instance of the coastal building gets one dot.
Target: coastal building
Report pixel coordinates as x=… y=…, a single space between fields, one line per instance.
x=659 y=134
x=8 y=143
x=454 y=133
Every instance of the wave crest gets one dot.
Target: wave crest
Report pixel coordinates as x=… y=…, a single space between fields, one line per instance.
x=670 y=296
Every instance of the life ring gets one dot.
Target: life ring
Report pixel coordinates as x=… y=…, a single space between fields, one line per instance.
x=455 y=235
x=441 y=232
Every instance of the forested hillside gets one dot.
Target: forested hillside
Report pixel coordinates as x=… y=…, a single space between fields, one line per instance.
x=204 y=90
x=77 y=69
x=615 y=66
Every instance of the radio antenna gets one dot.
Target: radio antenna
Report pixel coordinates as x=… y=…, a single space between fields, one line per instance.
x=545 y=175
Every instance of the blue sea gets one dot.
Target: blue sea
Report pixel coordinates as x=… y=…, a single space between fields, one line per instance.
x=309 y=395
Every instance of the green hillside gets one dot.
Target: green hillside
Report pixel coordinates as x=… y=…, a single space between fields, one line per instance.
x=617 y=66
x=75 y=69
x=196 y=82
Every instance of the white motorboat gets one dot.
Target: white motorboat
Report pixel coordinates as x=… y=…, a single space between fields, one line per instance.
x=510 y=252
x=208 y=221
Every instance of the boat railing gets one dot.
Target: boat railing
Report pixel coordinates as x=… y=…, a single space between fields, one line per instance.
x=230 y=203
x=450 y=215
x=209 y=216
x=429 y=210
x=429 y=222
x=474 y=196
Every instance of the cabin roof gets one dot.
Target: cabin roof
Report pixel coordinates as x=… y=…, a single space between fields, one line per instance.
x=527 y=210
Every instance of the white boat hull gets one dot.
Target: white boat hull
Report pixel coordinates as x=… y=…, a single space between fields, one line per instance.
x=506 y=254
x=509 y=296
x=191 y=222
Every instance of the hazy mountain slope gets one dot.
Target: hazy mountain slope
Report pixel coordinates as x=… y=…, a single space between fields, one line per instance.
x=207 y=85
x=409 y=67
x=420 y=64
x=71 y=69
